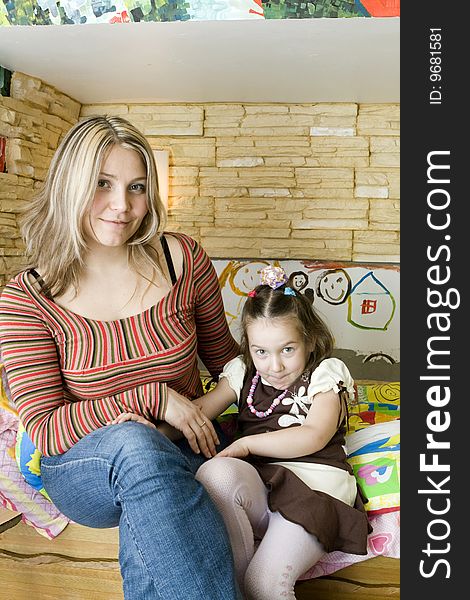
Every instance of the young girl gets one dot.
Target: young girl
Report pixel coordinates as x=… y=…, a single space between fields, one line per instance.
x=285 y=480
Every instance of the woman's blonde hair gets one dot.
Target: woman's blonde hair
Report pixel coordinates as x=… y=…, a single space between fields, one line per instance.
x=52 y=226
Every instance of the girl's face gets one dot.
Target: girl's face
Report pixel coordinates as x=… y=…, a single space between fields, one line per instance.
x=120 y=201
x=278 y=350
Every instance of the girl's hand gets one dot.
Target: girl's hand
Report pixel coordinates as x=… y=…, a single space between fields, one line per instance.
x=131 y=417
x=188 y=418
x=237 y=449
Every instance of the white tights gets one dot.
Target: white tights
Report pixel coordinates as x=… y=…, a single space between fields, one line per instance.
x=286 y=550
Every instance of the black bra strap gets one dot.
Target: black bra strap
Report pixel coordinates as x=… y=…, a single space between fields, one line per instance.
x=169 y=260
x=41 y=282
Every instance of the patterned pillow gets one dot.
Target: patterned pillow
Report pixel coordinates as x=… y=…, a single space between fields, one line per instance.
x=15 y=493
x=374 y=454
x=374 y=403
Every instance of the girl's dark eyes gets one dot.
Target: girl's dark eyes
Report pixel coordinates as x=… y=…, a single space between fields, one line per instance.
x=102 y=183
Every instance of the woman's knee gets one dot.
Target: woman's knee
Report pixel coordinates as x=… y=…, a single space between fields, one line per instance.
x=138 y=444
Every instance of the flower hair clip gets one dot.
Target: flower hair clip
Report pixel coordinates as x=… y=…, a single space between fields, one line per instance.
x=289 y=292
x=273 y=276
x=252 y=294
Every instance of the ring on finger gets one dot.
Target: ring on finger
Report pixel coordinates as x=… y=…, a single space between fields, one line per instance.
x=202 y=424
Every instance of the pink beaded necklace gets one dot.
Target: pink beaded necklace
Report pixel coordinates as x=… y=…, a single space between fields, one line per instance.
x=262 y=413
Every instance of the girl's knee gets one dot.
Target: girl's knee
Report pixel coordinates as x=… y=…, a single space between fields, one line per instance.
x=221 y=472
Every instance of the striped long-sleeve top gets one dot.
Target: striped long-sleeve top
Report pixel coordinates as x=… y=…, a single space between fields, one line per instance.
x=69 y=375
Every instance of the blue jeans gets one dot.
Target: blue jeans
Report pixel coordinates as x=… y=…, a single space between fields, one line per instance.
x=172 y=541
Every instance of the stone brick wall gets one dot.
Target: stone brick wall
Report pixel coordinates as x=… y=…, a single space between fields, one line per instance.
x=316 y=181
x=32 y=121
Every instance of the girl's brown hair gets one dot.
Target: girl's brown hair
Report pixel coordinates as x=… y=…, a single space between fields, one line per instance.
x=269 y=303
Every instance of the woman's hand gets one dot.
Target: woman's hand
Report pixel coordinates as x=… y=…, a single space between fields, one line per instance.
x=237 y=449
x=193 y=424
x=131 y=417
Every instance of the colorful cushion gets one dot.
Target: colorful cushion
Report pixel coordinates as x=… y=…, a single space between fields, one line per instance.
x=28 y=459
x=374 y=403
x=15 y=493
x=374 y=455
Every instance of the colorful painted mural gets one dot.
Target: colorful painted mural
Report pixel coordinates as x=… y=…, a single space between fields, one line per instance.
x=358 y=301
x=75 y=12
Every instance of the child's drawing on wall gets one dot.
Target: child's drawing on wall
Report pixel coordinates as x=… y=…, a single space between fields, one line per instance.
x=370 y=304
x=299 y=282
x=334 y=286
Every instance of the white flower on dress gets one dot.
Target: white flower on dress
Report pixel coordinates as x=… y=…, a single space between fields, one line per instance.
x=300 y=403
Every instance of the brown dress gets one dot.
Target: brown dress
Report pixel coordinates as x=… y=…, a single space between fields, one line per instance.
x=337 y=525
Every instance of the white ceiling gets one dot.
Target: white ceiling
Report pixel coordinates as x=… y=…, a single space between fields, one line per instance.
x=294 y=60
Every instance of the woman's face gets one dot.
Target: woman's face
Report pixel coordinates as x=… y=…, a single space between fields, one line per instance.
x=120 y=201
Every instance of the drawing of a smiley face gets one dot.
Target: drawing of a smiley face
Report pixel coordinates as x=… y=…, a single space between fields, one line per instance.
x=334 y=286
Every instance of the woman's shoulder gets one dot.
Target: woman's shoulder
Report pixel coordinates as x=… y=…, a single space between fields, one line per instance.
x=18 y=282
x=185 y=240
x=18 y=293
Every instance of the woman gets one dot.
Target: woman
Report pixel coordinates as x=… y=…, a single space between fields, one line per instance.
x=109 y=320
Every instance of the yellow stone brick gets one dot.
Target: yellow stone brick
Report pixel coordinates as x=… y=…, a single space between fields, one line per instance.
x=325 y=177
x=341 y=238
x=12 y=205
x=174 y=112
x=337 y=161
x=337 y=223
x=262 y=149
x=310 y=191
x=222 y=205
x=285 y=161
x=262 y=192
x=260 y=120
x=256 y=109
x=325 y=108
x=384 y=144
x=214 y=110
x=376 y=237
x=380 y=110
x=375 y=176
x=184 y=176
x=221 y=132
x=183 y=190
x=275 y=131
x=7 y=116
x=376 y=258
x=222 y=122
x=91 y=110
x=242 y=141
x=339 y=204
x=240 y=161
x=191 y=152
x=347 y=213
x=383 y=159
x=228 y=192
x=377 y=125
x=291 y=142
x=217 y=247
